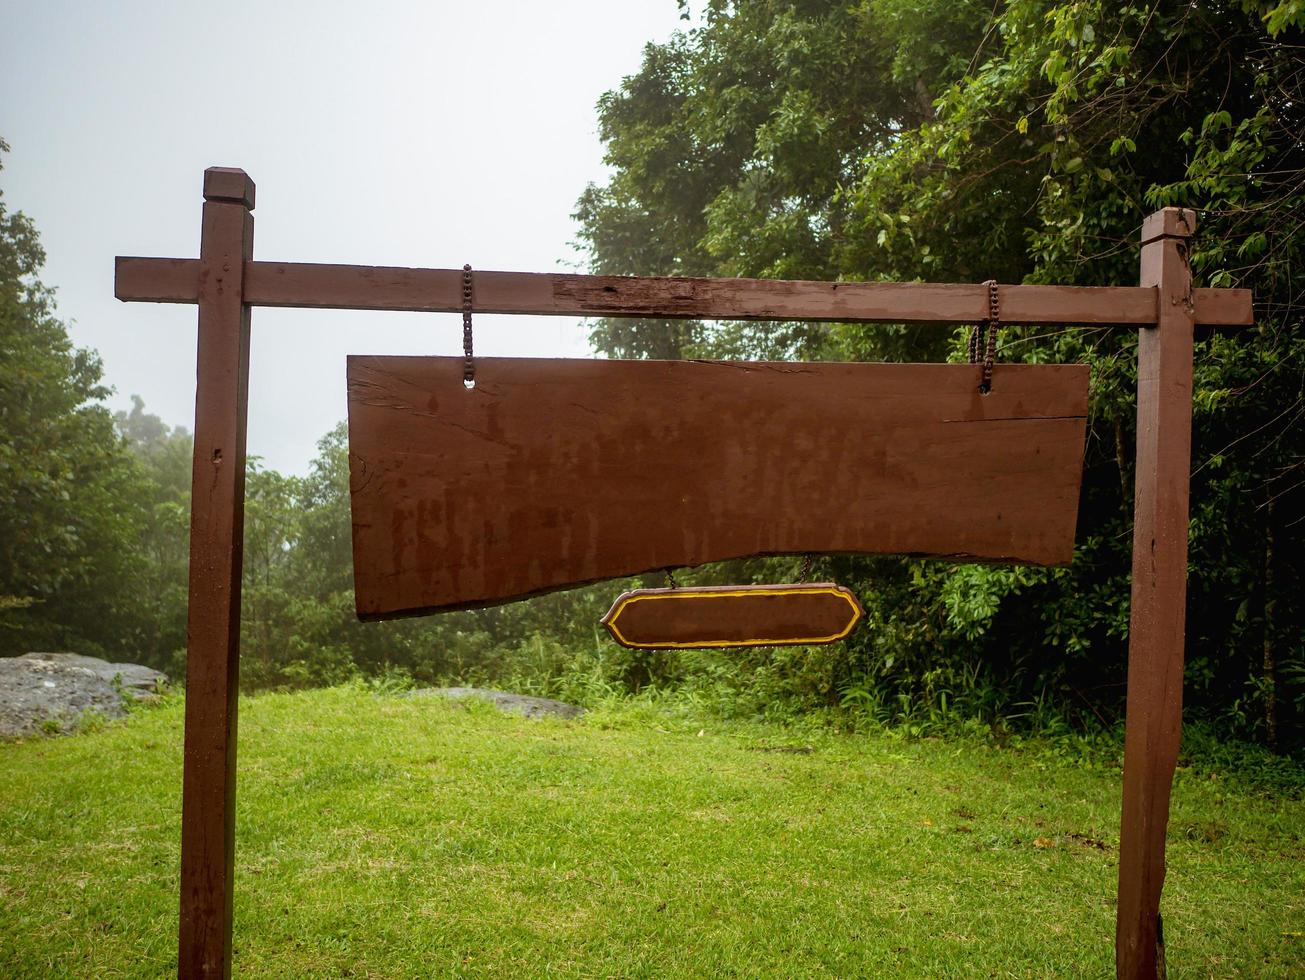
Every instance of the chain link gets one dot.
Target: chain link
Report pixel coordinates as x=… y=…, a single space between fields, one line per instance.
x=806 y=569
x=468 y=359
x=670 y=579
x=994 y=321
x=983 y=336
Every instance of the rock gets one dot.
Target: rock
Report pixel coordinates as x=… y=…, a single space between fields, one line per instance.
x=42 y=692
x=521 y=704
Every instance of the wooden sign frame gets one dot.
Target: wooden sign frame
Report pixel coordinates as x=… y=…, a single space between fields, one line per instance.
x=225 y=283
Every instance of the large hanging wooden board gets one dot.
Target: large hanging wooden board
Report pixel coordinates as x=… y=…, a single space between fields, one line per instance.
x=556 y=473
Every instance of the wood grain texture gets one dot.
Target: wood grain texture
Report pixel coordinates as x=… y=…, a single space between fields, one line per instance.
x=229 y=184
x=213 y=616
x=1168 y=223
x=553 y=473
x=440 y=290
x=731 y=616
x=137 y=280
x=1153 y=721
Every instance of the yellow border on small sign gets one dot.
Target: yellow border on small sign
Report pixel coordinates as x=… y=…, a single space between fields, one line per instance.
x=629 y=598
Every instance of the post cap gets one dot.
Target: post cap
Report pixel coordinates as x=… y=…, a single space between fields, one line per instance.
x=1168 y=223
x=229 y=184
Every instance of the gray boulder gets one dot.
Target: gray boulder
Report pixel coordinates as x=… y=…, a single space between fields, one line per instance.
x=42 y=692
x=521 y=704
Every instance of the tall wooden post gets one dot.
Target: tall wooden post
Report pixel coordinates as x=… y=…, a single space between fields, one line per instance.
x=217 y=507
x=1156 y=630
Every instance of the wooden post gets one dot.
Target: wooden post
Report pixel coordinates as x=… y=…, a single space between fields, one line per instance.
x=217 y=506
x=1156 y=630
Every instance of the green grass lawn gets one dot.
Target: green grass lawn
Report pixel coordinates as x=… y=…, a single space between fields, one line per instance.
x=388 y=837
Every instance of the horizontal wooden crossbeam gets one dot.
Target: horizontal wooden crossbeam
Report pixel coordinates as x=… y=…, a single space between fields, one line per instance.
x=361 y=287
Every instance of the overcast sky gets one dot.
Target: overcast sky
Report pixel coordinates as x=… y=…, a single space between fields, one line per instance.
x=378 y=132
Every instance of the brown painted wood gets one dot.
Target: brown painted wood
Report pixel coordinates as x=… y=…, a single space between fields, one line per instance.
x=731 y=616
x=216 y=543
x=1156 y=630
x=440 y=290
x=229 y=184
x=1168 y=223
x=554 y=473
x=733 y=299
x=137 y=280
x=1223 y=307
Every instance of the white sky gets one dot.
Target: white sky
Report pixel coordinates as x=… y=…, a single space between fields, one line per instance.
x=379 y=133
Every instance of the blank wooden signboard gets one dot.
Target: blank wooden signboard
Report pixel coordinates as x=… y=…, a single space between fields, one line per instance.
x=555 y=473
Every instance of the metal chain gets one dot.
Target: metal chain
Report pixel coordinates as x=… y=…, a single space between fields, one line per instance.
x=994 y=321
x=806 y=568
x=670 y=579
x=983 y=336
x=468 y=360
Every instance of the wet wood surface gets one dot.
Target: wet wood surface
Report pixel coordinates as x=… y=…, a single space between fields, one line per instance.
x=216 y=549
x=1154 y=719
x=349 y=287
x=719 y=617
x=554 y=473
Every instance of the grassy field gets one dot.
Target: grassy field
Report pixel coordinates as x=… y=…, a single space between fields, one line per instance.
x=389 y=837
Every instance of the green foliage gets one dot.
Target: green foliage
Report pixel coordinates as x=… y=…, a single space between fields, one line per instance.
x=162 y=494
x=68 y=514
x=878 y=139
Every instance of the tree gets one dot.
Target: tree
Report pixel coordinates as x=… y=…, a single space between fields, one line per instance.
x=69 y=521
x=887 y=139
x=162 y=488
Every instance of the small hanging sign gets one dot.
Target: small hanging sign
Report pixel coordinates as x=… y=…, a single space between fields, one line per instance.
x=733 y=616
